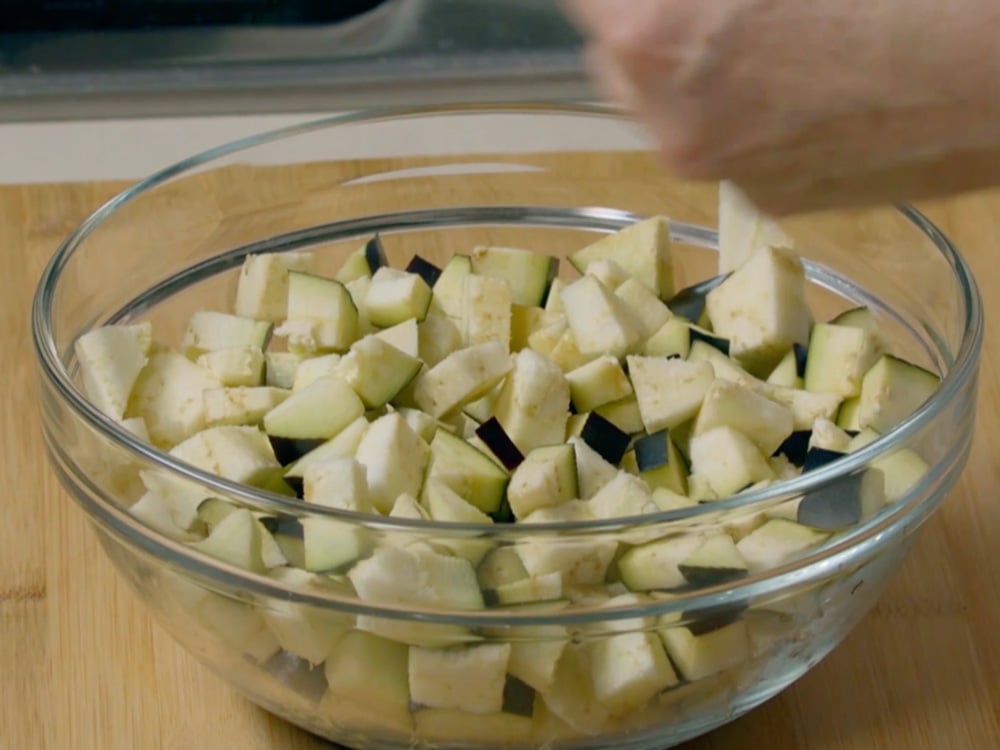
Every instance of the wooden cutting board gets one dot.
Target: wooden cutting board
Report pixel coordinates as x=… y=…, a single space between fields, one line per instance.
x=82 y=666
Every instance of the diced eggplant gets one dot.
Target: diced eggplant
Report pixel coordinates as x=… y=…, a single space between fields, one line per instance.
x=444 y=504
x=659 y=463
x=623 y=414
x=689 y=303
x=858 y=317
x=701 y=656
x=600 y=322
x=343 y=444
x=843 y=502
x=208 y=331
x=437 y=337
x=826 y=434
x=795 y=447
x=492 y=433
x=547 y=587
x=593 y=471
x=643 y=249
x=404 y=336
x=546 y=477
x=801 y=355
x=461 y=377
x=518 y=697
x=838 y=358
x=307 y=419
x=848 y=416
x=337 y=483
x=818 y=457
x=715 y=562
x=787 y=373
x=727 y=461
x=624 y=495
x=331 y=545
x=524 y=321
x=533 y=403
x=608 y=271
x=668 y=391
x=628 y=669
x=111 y=359
x=902 y=469
x=167 y=394
x=646 y=307
x=375 y=253
x=600 y=381
x=321 y=315
x=499 y=567
x=395 y=296
x=311 y=369
x=806 y=406
x=349 y=668
x=486 y=314
x=237 y=365
x=394 y=457
x=288 y=534
x=656 y=565
x=776 y=542
x=744 y=229
x=892 y=390
x=469 y=472
x=448 y=297
x=761 y=309
x=673 y=339
x=528 y=273
x=377 y=370
x=718 y=342
x=728 y=404
x=470 y=678
x=605 y=438
x=280 y=369
x=423 y=268
x=236 y=539
x=262 y=292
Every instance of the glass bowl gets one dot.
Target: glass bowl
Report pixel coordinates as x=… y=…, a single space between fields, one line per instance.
x=599 y=666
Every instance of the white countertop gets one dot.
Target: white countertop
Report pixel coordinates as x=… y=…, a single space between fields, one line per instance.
x=129 y=149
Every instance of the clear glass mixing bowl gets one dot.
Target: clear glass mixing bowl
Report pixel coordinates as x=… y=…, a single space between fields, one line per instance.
x=438 y=182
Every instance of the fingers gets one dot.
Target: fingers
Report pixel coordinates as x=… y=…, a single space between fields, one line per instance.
x=933 y=177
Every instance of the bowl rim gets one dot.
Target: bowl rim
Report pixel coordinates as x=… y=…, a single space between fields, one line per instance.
x=963 y=366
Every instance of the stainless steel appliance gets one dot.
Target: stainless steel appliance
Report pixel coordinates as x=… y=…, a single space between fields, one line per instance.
x=101 y=58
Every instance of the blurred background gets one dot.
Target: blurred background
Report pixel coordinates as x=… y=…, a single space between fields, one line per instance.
x=119 y=88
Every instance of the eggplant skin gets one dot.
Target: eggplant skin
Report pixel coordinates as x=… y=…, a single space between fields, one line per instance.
x=700 y=576
x=796 y=447
x=833 y=506
x=652 y=451
x=497 y=440
x=289 y=449
x=426 y=270
x=605 y=438
x=375 y=254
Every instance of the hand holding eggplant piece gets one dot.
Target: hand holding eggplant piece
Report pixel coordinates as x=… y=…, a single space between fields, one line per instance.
x=812 y=105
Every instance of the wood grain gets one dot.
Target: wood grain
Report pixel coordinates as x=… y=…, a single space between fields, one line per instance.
x=83 y=666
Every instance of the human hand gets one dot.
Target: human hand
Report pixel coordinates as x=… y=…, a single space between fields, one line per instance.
x=808 y=104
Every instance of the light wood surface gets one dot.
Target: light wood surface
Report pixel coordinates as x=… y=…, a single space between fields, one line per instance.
x=82 y=666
